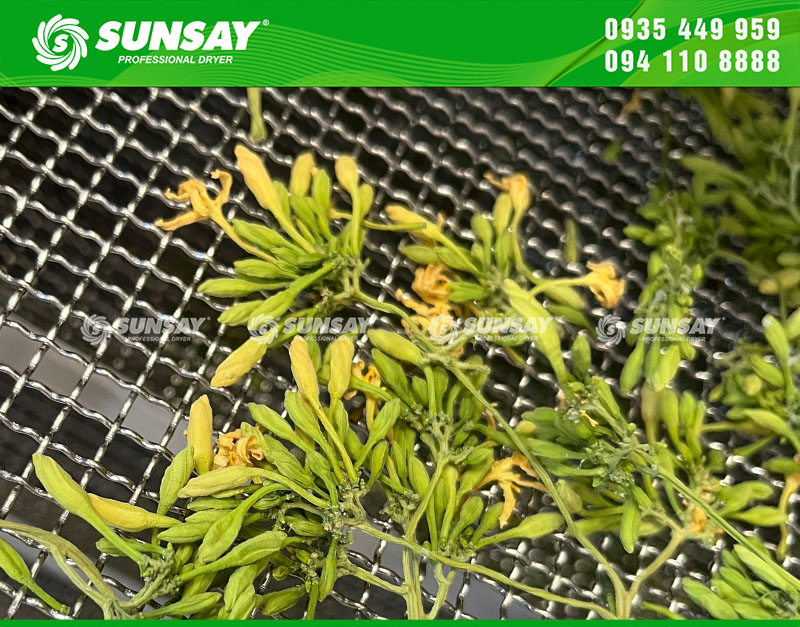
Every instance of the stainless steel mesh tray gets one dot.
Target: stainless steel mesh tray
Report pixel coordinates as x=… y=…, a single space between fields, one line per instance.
x=82 y=173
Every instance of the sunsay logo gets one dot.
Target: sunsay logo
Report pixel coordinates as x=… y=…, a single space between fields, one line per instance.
x=60 y=43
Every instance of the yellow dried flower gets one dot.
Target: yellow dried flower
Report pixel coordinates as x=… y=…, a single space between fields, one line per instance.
x=373 y=377
x=603 y=283
x=698 y=521
x=510 y=482
x=232 y=449
x=203 y=206
x=518 y=188
x=431 y=284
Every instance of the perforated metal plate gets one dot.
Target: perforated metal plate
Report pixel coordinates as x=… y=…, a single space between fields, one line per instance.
x=82 y=174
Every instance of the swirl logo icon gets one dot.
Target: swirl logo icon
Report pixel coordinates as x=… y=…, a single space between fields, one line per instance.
x=443 y=328
x=60 y=43
x=610 y=330
x=95 y=329
x=263 y=329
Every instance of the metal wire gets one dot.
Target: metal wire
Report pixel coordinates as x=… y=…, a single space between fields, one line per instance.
x=82 y=174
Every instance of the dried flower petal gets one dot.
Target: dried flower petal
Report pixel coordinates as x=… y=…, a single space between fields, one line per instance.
x=203 y=206
x=603 y=283
x=232 y=449
x=502 y=473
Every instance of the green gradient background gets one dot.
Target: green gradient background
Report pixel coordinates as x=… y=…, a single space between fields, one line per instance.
x=413 y=42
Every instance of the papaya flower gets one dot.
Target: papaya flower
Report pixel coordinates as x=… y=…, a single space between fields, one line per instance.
x=235 y=450
x=510 y=482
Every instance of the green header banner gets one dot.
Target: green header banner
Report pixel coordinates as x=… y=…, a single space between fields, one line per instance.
x=400 y=42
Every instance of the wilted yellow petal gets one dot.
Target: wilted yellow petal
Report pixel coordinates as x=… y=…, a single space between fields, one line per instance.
x=235 y=450
x=184 y=219
x=518 y=188
x=502 y=473
x=603 y=283
x=432 y=284
x=699 y=520
x=203 y=206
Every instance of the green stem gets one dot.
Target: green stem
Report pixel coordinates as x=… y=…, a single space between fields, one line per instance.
x=414 y=599
x=396 y=311
x=732 y=531
x=544 y=477
x=95 y=595
x=150 y=591
x=484 y=572
x=414 y=596
x=431 y=385
x=675 y=541
x=313 y=597
x=57 y=544
x=337 y=442
x=368 y=388
x=294 y=487
x=712 y=427
x=661 y=611
x=546 y=284
x=426 y=498
x=441 y=594
x=258 y=131
x=365 y=575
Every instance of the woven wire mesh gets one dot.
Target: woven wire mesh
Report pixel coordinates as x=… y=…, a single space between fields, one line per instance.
x=82 y=174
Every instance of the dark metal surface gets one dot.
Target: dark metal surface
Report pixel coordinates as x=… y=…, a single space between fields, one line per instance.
x=82 y=174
